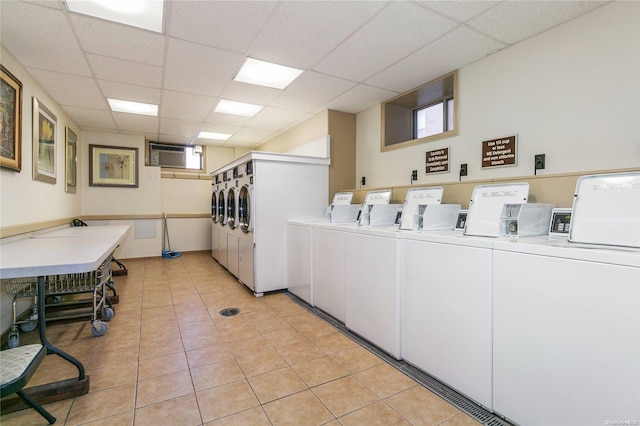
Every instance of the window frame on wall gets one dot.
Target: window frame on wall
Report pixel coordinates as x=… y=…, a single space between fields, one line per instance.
x=399 y=115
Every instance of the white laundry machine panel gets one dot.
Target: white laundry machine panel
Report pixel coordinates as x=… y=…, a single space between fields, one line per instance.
x=566 y=333
x=300 y=259
x=446 y=310
x=222 y=225
x=486 y=205
x=232 y=230
x=329 y=269
x=245 y=224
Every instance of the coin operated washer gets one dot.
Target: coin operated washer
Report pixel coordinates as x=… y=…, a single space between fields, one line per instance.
x=423 y=210
x=376 y=210
x=341 y=210
x=525 y=219
x=486 y=206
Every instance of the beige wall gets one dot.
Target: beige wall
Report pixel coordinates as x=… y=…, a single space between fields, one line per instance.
x=311 y=129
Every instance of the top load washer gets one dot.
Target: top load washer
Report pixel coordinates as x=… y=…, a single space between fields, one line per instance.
x=487 y=203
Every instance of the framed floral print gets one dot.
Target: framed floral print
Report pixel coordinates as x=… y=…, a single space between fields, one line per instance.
x=44 y=143
x=11 y=118
x=113 y=166
x=71 y=169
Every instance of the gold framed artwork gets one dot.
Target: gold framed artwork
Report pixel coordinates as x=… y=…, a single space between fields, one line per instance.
x=44 y=143
x=113 y=166
x=11 y=118
x=71 y=170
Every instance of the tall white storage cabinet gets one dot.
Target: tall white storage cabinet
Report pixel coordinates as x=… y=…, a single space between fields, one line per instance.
x=373 y=282
x=566 y=334
x=285 y=187
x=446 y=322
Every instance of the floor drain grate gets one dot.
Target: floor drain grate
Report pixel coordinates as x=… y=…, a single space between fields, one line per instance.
x=229 y=312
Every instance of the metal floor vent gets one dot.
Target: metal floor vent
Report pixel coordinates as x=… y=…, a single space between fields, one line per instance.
x=229 y=312
x=467 y=406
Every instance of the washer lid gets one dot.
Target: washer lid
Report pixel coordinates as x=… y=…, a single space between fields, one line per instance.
x=341 y=198
x=485 y=207
x=416 y=197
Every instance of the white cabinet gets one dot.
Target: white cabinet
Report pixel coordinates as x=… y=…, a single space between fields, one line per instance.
x=446 y=322
x=232 y=254
x=299 y=261
x=373 y=288
x=329 y=271
x=567 y=336
x=215 y=234
x=245 y=262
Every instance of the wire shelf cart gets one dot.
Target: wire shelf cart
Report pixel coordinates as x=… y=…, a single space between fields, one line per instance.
x=57 y=287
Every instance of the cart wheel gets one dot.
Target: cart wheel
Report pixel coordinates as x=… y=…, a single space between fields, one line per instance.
x=28 y=326
x=107 y=313
x=99 y=328
x=14 y=341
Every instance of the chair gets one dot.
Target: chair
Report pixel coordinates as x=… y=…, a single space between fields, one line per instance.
x=17 y=366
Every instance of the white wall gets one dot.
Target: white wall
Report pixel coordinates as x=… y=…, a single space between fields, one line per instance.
x=572 y=93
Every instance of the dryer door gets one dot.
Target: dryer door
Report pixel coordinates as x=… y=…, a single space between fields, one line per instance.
x=231 y=208
x=221 y=212
x=214 y=206
x=244 y=209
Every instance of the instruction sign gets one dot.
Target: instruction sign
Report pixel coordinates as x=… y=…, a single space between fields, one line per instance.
x=438 y=161
x=499 y=152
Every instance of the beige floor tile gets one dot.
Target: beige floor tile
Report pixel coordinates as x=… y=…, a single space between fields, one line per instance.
x=302 y=408
x=154 y=348
x=384 y=380
x=102 y=378
x=208 y=355
x=276 y=384
x=30 y=417
x=421 y=407
x=345 y=395
x=356 y=359
x=376 y=414
x=261 y=361
x=191 y=342
x=253 y=416
x=100 y=404
x=461 y=419
x=121 y=419
x=198 y=328
x=225 y=400
x=161 y=365
x=298 y=352
x=212 y=375
x=163 y=388
x=248 y=346
x=182 y=411
x=109 y=358
x=239 y=333
x=283 y=337
x=319 y=370
x=334 y=342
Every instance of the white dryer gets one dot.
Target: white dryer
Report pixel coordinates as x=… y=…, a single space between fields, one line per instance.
x=246 y=244
x=233 y=231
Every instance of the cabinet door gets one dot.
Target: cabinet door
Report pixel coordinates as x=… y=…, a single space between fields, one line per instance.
x=246 y=253
x=328 y=272
x=299 y=262
x=232 y=255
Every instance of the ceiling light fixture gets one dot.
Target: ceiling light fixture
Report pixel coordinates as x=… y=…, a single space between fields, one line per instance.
x=237 y=108
x=118 y=105
x=214 y=135
x=146 y=14
x=267 y=74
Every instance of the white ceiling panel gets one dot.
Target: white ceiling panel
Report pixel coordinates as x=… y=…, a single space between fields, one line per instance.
x=217 y=23
x=119 y=41
x=40 y=37
x=397 y=31
x=170 y=139
x=355 y=54
x=69 y=89
x=310 y=91
x=128 y=72
x=514 y=21
x=199 y=69
x=297 y=35
x=186 y=106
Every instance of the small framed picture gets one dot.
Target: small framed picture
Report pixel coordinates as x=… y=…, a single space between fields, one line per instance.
x=113 y=166
x=11 y=116
x=44 y=143
x=71 y=168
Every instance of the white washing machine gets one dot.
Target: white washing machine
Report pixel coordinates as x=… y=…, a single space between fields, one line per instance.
x=232 y=230
x=245 y=224
x=567 y=314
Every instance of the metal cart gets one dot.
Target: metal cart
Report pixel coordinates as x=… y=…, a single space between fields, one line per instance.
x=57 y=307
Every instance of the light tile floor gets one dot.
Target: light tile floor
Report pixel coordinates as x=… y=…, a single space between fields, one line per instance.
x=170 y=358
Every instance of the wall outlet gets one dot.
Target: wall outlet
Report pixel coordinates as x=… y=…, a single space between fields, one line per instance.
x=539 y=161
x=463 y=169
x=363 y=181
x=414 y=175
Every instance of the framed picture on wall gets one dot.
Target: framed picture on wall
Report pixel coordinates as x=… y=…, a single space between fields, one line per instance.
x=71 y=170
x=113 y=166
x=11 y=118
x=44 y=143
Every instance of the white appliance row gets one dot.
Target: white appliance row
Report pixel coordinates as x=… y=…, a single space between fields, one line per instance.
x=252 y=199
x=540 y=330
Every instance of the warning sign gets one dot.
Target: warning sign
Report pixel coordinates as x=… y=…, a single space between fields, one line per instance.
x=438 y=161
x=499 y=152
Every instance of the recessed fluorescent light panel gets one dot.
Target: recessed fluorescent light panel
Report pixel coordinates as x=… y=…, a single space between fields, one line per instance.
x=118 y=105
x=147 y=14
x=266 y=74
x=214 y=135
x=237 y=108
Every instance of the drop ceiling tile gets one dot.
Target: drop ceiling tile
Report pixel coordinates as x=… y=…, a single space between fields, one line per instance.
x=456 y=49
x=271 y=118
x=134 y=123
x=118 y=41
x=515 y=21
x=301 y=33
x=198 y=69
x=310 y=91
x=39 y=37
x=249 y=93
x=216 y=23
x=130 y=92
x=227 y=119
x=128 y=72
x=399 y=30
x=91 y=118
x=184 y=140
x=171 y=126
x=67 y=89
x=248 y=136
x=220 y=128
x=461 y=11
x=360 y=98
x=186 y=106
